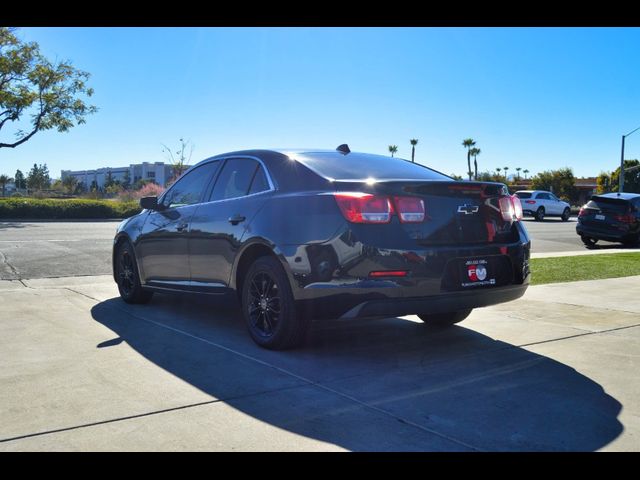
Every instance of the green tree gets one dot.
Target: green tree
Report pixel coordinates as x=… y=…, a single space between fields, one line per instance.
x=38 y=178
x=70 y=184
x=413 y=142
x=631 y=178
x=468 y=143
x=181 y=158
x=498 y=170
x=126 y=180
x=506 y=176
x=455 y=177
x=4 y=179
x=393 y=149
x=19 y=179
x=518 y=172
x=474 y=153
x=561 y=182
x=525 y=171
x=50 y=94
x=604 y=183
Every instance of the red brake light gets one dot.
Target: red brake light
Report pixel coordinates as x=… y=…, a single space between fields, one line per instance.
x=511 y=208
x=530 y=202
x=582 y=212
x=364 y=207
x=517 y=207
x=628 y=218
x=410 y=209
x=388 y=273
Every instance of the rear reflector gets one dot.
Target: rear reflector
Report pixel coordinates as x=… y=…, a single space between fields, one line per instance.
x=410 y=209
x=388 y=273
x=364 y=207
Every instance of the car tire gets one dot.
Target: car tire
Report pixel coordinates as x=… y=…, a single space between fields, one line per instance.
x=268 y=307
x=634 y=242
x=444 y=319
x=566 y=214
x=588 y=241
x=127 y=275
x=539 y=216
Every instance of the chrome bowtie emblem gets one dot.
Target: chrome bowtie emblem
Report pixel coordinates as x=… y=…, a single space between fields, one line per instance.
x=468 y=209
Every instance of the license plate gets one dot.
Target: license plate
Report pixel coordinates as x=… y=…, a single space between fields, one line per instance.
x=599 y=217
x=476 y=273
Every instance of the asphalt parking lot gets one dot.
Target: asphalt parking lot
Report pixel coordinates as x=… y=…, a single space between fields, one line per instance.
x=63 y=249
x=81 y=370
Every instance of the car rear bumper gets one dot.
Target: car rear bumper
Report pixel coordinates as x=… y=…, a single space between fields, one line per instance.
x=609 y=234
x=436 y=282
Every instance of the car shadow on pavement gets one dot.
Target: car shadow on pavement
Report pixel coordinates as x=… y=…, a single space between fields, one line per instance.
x=385 y=384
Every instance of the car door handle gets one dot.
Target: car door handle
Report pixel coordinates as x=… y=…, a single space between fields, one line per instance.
x=236 y=219
x=182 y=227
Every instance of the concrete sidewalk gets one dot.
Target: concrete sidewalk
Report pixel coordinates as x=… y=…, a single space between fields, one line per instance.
x=81 y=370
x=595 y=251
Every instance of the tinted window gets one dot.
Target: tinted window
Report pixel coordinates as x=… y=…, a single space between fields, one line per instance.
x=523 y=194
x=553 y=197
x=543 y=196
x=188 y=189
x=260 y=183
x=234 y=179
x=356 y=166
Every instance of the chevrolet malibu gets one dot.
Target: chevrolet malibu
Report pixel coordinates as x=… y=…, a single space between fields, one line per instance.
x=304 y=235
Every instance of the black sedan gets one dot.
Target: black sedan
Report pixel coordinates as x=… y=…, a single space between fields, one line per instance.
x=614 y=217
x=303 y=235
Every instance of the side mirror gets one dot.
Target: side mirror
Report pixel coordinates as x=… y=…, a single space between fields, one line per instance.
x=149 y=203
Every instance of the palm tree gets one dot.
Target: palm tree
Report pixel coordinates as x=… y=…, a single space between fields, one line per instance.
x=4 y=179
x=518 y=174
x=468 y=143
x=505 y=174
x=413 y=142
x=393 y=149
x=498 y=170
x=475 y=152
x=525 y=171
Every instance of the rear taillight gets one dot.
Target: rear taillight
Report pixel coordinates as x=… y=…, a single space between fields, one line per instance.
x=530 y=202
x=517 y=207
x=582 y=212
x=410 y=209
x=628 y=218
x=510 y=208
x=364 y=207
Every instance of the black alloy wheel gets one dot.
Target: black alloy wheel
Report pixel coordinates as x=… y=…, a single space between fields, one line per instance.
x=127 y=276
x=588 y=241
x=540 y=214
x=268 y=306
x=566 y=214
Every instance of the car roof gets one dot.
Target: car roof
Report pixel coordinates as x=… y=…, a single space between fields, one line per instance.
x=533 y=191
x=622 y=196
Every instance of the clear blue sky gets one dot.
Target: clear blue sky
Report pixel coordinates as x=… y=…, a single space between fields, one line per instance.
x=536 y=98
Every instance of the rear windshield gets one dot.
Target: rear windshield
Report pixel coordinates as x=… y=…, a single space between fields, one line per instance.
x=613 y=205
x=364 y=166
x=523 y=194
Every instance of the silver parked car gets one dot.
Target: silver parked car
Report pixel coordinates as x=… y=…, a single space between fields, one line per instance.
x=540 y=203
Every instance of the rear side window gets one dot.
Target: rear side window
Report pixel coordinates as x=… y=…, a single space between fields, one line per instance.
x=356 y=166
x=523 y=194
x=543 y=196
x=235 y=179
x=259 y=183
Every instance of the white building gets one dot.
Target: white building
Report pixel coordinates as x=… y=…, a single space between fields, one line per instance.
x=159 y=172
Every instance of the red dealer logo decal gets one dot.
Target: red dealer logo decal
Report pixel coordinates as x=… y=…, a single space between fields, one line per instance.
x=476 y=272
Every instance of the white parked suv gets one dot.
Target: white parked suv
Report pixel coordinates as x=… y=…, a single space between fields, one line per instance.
x=540 y=204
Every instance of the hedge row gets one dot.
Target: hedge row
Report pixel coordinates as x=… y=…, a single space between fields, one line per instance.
x=62 y=209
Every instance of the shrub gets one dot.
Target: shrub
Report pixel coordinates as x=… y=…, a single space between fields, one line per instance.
x=66 y=209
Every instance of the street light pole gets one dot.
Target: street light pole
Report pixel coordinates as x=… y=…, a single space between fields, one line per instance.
x=621 y=179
